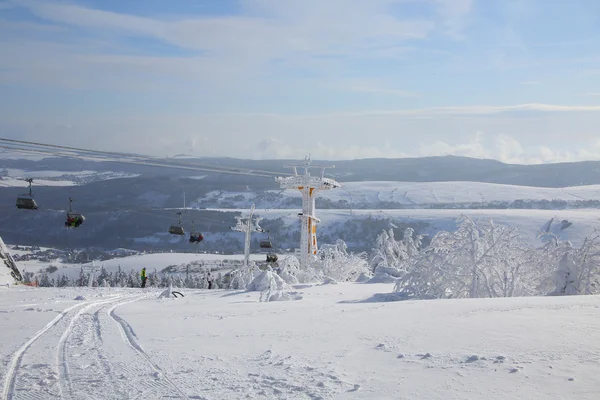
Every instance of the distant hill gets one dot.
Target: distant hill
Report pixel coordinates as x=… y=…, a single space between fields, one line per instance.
x=133 y=205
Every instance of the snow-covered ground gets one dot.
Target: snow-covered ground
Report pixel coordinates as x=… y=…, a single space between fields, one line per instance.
x=153 y=261
x=529 y=222
x=334 y=343
x=454 y=192
x=410 y=194
x=10 y=177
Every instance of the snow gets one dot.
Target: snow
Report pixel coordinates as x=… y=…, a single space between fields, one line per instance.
x=455 y=192
x=152 y=261
x=336 y=342
x=11 y=177
x=5 y=277
x=529 y=222
x=412 y=194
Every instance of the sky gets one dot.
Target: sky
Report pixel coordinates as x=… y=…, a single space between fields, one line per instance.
x=512 y=80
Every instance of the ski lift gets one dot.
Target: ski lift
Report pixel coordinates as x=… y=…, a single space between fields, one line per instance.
x=74 y=220
x=266 y=243
x=195 y=237
x=177 y=229
x=272 y=258
x=26 y=201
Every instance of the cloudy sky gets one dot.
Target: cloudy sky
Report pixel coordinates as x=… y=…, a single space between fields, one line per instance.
x=514 y=80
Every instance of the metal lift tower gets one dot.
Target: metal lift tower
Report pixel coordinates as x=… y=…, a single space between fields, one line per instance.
x=247 y=226
x=309 y=186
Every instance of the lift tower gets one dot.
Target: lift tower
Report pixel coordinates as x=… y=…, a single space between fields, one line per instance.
x=247 y=226
x=309 y=186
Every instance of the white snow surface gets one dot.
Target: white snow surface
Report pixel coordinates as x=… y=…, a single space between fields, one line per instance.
x=413 y=194
x=529 y=222
x=5 y=277
x=11 y=177
x=152 y=261
x=335 y=343
x=422 y=193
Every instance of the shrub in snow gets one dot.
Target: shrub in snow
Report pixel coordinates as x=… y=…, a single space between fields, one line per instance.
x=241 y=277
x=272 y=288
x=266 y=280
x=332 y=262
x=289 y=269
x=79 y=298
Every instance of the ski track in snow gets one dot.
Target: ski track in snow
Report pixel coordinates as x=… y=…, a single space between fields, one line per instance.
x=79 y=361
x=130 y=337
x=17 y=358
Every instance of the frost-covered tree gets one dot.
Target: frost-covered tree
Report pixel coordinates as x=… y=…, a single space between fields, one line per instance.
x=103 y=277
x=153 y=279
x=240 y=278
x=577 y=269
x=387 y=253
x=44 y=280
x=336 y=263
x=476 y=260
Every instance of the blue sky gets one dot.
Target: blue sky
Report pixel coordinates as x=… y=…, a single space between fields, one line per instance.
x=514 y=80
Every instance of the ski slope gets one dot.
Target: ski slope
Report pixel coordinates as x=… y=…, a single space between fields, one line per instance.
x=335 y=343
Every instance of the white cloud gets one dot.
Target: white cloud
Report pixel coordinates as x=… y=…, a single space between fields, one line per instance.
x=475 y=110
x=272 y=28
x=272 y=148
x=473 y=148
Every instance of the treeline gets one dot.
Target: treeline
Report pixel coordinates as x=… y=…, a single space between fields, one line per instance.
x=120 y=278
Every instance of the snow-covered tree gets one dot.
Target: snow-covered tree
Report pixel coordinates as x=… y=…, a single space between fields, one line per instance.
x=577 y=270
x=336 y=263
x=241 y=277
x=476 y=260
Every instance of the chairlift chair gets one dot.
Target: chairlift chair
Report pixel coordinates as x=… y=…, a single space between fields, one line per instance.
x=26 y=201
x=266 y=243
x=272 y=258
x=177 y=229
x=74 y=220
x=195 y=237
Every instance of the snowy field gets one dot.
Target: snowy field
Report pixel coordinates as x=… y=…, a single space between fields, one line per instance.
x=153 y=261
x=414 y=194
x=454 y=192
x=529 y=222
x=15 y=177
x=335 y=343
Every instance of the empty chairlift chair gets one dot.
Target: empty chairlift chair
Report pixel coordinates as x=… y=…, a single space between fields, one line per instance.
x=265 y=244
x=26 y=201
x=177 y=229
x=74 y=220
